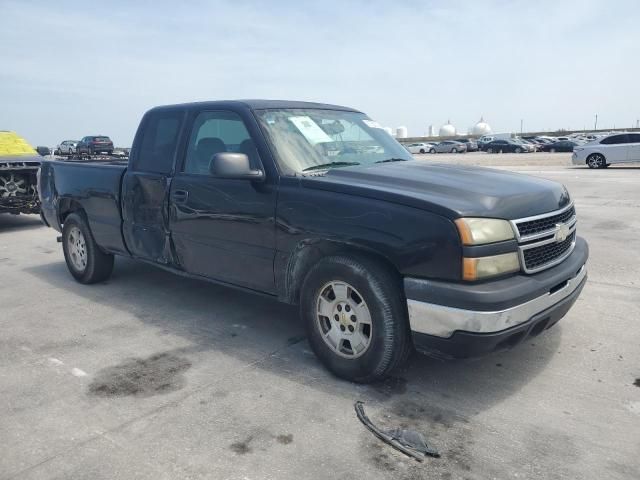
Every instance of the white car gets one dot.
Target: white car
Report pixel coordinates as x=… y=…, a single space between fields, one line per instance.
x=67 y=147
x=616 y=148
x=419 y=147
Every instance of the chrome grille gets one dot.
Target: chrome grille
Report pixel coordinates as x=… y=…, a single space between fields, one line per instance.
x=546 y=240
x=542 y=255
x=532 y=227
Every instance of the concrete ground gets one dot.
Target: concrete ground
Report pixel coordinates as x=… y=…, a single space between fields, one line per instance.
x=151 y=376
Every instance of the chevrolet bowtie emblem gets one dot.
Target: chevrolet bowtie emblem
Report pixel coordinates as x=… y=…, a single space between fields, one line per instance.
x=562 y=232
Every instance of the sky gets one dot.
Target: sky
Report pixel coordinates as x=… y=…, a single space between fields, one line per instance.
x=74 y=68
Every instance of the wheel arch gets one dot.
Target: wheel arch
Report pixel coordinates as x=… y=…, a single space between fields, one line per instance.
x=596 y=152
x=67 y=206
x=309 y=252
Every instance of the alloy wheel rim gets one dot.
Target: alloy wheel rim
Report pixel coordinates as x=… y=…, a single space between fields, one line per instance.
x=77 y=248
x=343 y=319
x=595 y=161
x=12 y=186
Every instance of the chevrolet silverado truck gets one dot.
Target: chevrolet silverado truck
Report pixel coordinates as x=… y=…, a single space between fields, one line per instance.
x=19 y=164
x=316 y=205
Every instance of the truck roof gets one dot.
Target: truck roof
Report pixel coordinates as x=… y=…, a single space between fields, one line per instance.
x=257 y=104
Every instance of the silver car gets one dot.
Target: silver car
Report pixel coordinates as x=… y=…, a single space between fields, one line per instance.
x=67 y=147
x=448 y=146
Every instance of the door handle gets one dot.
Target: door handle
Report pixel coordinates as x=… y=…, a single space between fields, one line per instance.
x=180 y=196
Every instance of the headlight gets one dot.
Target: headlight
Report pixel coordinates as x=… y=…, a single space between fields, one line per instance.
x=479 y=231
x=483 y=267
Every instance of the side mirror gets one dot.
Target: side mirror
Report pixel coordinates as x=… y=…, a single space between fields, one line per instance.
x=234 y=166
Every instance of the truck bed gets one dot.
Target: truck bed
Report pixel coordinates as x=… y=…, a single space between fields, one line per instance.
x=97 y=160
x=94 y=185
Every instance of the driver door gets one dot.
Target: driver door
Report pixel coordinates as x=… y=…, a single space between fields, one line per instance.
x=223 y=229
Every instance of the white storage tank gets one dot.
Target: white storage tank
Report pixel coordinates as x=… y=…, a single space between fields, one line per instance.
x=447 y=130
x=482 y=128
x=401 y=132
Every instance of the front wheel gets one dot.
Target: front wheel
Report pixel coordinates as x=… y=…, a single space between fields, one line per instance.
x=596 y=160
x=454 y=150
x=433 y=150
x=85 y=261
x=422 y=150
x=489 y=150
x=518 y=150
x=355 y=317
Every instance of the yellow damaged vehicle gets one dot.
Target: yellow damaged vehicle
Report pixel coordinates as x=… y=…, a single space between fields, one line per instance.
x=19 y=164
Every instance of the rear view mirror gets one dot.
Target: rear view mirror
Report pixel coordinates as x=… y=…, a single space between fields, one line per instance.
x=234 y=166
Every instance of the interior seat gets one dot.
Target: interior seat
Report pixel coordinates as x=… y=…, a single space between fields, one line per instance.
x=205 y=150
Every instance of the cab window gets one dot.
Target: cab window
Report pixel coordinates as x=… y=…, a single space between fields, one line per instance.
x=217 y=132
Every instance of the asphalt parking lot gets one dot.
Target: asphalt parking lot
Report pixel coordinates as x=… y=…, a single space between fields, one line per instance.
x=150 y=375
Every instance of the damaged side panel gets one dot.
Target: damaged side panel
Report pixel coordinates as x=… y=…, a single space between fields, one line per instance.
x=145 y=216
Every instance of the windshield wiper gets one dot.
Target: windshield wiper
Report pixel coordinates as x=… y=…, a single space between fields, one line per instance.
x=329 y=165
x=392 y=160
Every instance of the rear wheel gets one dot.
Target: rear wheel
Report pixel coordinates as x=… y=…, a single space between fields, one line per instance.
x=552 y=150
x=422 y=150
x=433 y=150
x=454 y=150
x=355 y=317
x=596 y=160
x=86 y=262
x=518 y=150
x=489 y=150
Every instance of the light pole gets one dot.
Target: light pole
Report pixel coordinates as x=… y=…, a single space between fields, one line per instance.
x=595 y=125
x=521 y=123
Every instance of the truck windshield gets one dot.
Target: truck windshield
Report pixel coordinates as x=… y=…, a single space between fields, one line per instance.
x=309 y=141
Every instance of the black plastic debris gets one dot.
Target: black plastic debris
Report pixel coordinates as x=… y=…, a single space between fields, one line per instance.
x=409 y=442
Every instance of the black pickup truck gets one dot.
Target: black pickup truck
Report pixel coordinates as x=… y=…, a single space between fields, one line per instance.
x=317 y=205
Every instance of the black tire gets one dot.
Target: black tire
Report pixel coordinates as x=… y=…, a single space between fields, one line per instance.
x=454 y=150
x=422 y=150
x=489 y=150
x=99 y=264
x=433 y=150
x=518 y=150
x=390 y=339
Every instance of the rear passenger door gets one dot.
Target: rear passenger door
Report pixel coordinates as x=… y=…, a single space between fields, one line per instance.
x=615 y=148
x=633 y=153
x=223 y=228
x=145 y=187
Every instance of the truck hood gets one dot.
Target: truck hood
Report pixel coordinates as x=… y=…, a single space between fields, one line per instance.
x=450 y=190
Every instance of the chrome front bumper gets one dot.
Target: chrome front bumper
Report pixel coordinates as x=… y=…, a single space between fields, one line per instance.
x=443 y=321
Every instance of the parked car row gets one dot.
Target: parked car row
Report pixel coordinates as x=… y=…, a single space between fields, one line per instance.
x=448 y=146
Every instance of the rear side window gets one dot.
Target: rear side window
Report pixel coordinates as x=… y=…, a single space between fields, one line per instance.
x=634 y=138
x=615 y=140
x=159 y=141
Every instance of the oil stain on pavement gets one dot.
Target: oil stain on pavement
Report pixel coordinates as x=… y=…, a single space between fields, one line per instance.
x=158 y=374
